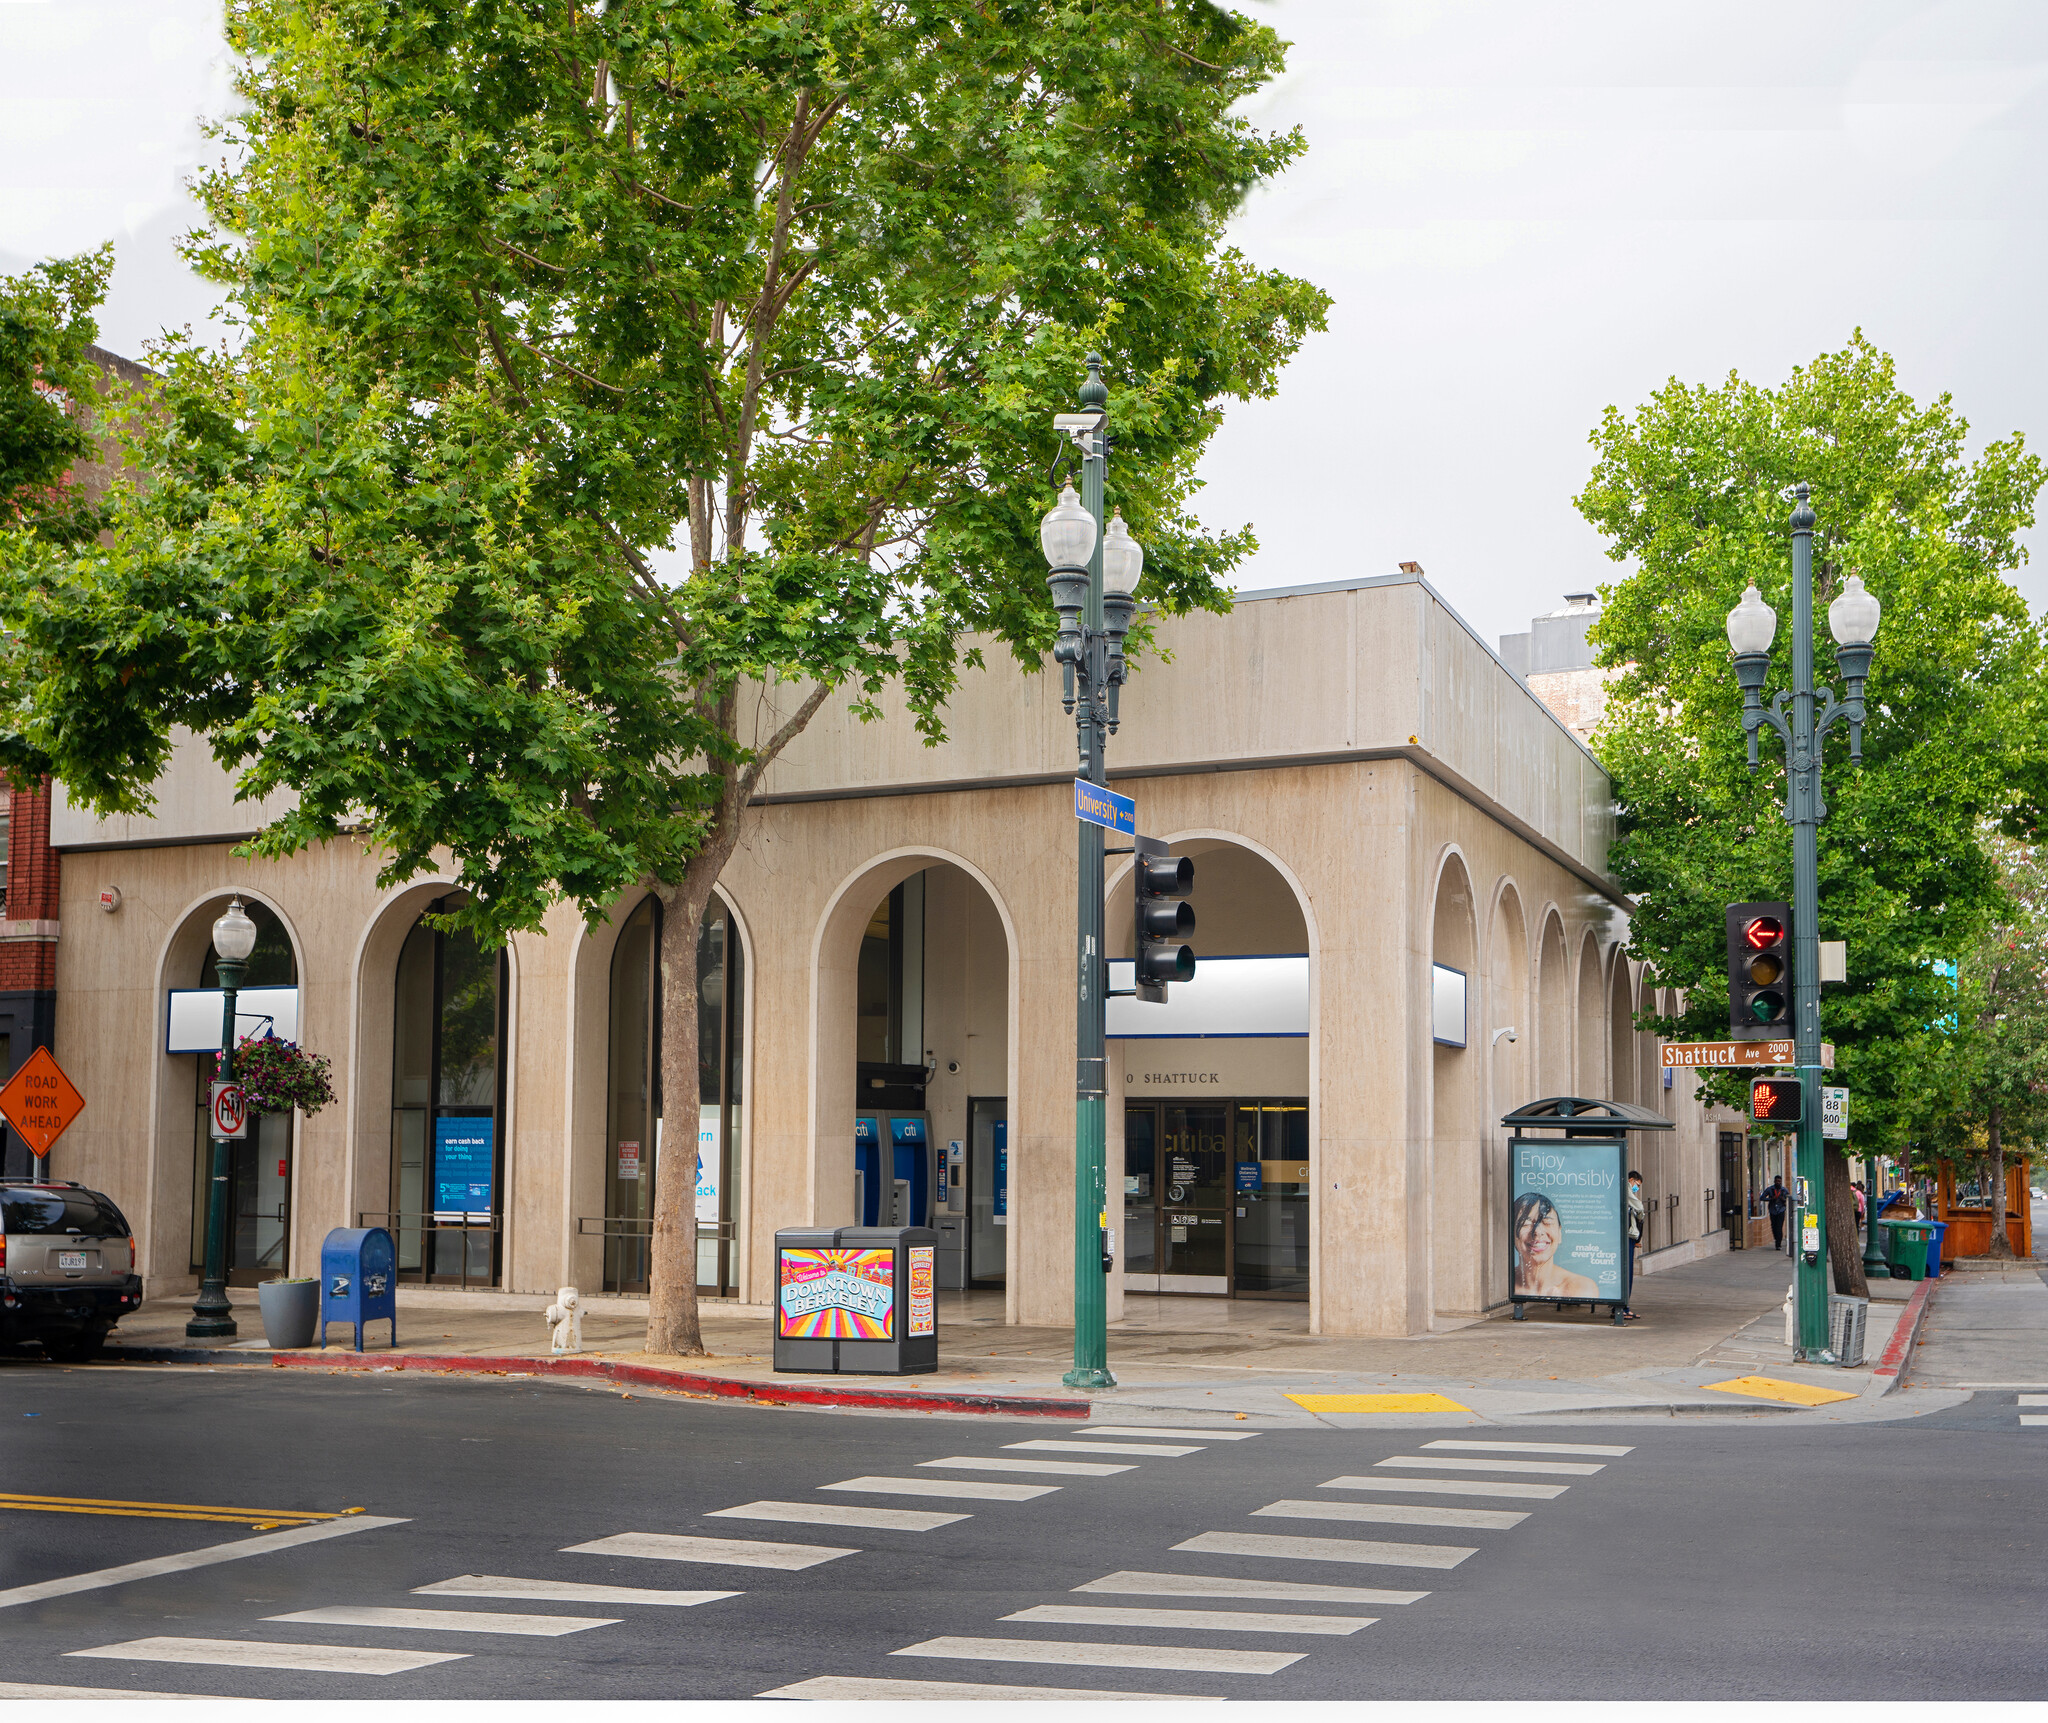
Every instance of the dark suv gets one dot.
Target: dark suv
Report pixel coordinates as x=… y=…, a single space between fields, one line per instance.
x=67 y=1268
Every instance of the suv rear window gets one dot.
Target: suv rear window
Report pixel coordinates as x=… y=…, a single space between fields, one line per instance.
x=46 y=1209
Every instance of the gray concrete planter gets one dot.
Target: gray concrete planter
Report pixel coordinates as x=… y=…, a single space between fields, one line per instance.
x=291 y=1312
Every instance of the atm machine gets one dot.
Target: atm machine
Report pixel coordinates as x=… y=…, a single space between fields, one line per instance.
x=894 y=1171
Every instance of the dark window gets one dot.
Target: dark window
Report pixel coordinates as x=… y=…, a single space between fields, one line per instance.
x=48 y=1210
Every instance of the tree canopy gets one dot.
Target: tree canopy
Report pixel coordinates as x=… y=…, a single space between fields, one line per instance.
x=46 y=378
x=1690 y=492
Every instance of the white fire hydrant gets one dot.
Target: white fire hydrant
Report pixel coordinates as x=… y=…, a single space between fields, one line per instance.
x=565 y=1321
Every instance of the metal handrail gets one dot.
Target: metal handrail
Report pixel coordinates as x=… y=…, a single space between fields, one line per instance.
x=642 y=1226
x=395 y=1220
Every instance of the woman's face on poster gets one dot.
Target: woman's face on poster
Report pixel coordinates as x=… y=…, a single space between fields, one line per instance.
x=1540 y=1237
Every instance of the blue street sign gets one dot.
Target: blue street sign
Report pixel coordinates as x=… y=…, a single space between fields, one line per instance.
x=1105 y=808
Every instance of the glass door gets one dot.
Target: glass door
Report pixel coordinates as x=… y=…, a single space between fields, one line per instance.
x=1271 y=1172
x=1194 y=1209
x=1138 y=1248
x=988 y=1191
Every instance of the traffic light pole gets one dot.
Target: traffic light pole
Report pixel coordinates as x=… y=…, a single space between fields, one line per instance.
x=1091 y=1195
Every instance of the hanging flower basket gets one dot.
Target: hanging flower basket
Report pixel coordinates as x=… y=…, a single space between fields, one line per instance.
x=280 y=1075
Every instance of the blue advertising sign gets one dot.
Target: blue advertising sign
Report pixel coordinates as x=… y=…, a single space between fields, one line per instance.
x=464 y=1170
x=1105 y=808
x=1566 y=1228
x=1001 y=1209
x=1248 y=1175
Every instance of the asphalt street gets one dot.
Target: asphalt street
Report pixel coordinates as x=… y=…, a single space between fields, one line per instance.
x=1704 y=1559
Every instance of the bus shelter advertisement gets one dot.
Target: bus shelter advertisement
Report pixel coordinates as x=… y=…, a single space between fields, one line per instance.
x=1567 y=1227
x=838 y=1294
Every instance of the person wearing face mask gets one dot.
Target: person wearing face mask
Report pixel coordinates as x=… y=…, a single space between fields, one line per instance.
x=1638 y=1219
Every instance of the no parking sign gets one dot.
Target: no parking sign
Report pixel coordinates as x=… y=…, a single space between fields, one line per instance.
x=230 y=1103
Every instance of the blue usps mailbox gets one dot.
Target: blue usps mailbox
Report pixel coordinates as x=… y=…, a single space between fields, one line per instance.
x=358 y=1280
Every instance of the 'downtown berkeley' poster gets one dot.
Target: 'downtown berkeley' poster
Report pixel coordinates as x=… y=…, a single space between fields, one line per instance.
x=837 y=1294
x=1566 y=1226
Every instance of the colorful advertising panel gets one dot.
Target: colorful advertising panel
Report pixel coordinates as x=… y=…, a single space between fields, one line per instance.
x=1566 y=1226
x=464 y=1166
x=924 y=1314
x=837 y=1294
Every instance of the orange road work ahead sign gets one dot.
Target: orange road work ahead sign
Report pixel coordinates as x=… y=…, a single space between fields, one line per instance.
x=40 y=1102
x=1681 y=1055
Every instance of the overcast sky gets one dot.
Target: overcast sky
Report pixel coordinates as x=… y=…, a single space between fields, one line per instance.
x=1524 y=210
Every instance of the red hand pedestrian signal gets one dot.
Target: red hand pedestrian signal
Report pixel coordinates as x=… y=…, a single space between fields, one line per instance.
x=1775 y=1100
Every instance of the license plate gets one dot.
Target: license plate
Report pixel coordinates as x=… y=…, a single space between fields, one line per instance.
x=70 y=1259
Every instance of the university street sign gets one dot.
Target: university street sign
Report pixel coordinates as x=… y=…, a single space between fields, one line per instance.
x=1105 y=808
x=1684 y=1055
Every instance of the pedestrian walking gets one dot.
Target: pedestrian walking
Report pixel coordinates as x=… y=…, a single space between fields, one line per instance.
x=1638 y=1219
x=1775 y=1200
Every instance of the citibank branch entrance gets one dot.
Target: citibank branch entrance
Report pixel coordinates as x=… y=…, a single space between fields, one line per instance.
x=1216 y=1183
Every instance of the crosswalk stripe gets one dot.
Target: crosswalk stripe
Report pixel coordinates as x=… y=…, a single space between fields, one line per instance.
x=45 y=1690
x=721 y=1552
x=1212 y=1660
x=1185 y=1433
x=1227 y=1620
x=838 y=1514
x=2026 y=1419
x=1443 y=1462
x=880 y=1687
x=1326 y=1549
x=564 y=1591
x=1129 y=1584
x=961 y=1489
x=1450 y=1487
x=1396 y=1514
x=1158 y=1450
x=1050 y=1468
x=252 y=1654
x=1533 y=1447
x=447 y=1620
x=2033 y=1399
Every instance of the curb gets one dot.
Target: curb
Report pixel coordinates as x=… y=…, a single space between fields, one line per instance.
x=1885 y=1376
x=632 y=1375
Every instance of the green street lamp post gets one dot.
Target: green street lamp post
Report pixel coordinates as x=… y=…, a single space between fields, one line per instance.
x=213 y=1318
x=1094 y=572
x=1752 y=624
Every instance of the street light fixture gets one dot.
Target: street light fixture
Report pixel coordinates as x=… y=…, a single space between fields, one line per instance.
x=1093 y=576
x=234 y=938
x=1752 y=626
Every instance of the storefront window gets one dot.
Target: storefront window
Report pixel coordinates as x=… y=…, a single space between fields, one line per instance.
x=447 y=1157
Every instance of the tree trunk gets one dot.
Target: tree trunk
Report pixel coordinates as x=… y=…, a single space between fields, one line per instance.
x=1845 y=1249
x=2001 y=1240
x=672 y=1324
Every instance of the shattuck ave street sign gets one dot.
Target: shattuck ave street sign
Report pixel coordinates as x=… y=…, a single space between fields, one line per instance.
x=40 y=1102
x=1680 y=1057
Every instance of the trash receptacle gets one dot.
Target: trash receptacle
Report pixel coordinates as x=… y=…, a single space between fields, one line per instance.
x=857 y=1300
x=1939 y=1231
x=1906 y=1248
x=358 y=1280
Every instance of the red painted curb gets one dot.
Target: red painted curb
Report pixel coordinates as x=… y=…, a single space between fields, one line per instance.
x=687 y=1382
x=1894 y=1358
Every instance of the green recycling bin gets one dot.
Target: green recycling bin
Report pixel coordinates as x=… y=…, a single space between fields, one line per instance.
x=1906 y=1244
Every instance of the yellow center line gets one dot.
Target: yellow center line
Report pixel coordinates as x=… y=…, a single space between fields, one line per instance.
x=260 y=1525
x=12 y=1499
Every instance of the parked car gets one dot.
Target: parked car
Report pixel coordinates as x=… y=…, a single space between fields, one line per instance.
x=67 y=1268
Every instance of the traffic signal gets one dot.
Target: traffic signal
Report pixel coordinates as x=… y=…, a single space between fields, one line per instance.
x=1165 y=920
x=1760 y=970
x=1775 y=1100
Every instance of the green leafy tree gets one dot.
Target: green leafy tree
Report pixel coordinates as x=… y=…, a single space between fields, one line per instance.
x=1976 y=1080
x=622 y=382
x=46 y=381
x=1690 y=493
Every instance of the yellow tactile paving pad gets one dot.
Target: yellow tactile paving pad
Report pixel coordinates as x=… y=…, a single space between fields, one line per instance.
x=1770 y=1388
x=1376 y=1403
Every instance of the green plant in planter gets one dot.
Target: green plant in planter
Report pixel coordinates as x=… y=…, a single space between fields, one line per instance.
x=280 y=1075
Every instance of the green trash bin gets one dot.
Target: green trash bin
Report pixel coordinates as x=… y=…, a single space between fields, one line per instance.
x=1906 y=1243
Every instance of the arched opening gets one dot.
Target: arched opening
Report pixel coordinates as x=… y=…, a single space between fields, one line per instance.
x=1554 y=1011
x=260 y=1163
x=1215 y=1137
x=447 y=1185
x=1591 y=1036
x=1621 y=1026
x=1509 y=1062
x=914 y=1071
x=1457 y=1202
x=633 y=1101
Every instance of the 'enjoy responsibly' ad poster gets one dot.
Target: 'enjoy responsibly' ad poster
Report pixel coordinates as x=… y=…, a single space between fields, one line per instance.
x=1566 y=1226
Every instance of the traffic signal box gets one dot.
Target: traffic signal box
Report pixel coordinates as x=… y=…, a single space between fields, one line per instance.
x=1775 y=1100
x=1760 y=971
x=1165 y=919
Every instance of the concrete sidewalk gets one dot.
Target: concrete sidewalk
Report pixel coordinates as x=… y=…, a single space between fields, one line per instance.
x=1702 y=1323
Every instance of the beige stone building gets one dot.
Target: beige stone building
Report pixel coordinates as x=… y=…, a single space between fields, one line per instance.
x=1383 y=820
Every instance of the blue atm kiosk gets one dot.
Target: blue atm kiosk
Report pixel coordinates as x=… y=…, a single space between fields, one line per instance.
x=892 y=1158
